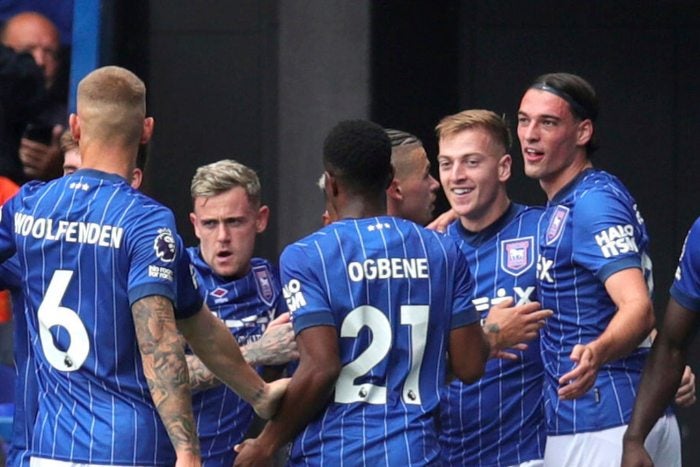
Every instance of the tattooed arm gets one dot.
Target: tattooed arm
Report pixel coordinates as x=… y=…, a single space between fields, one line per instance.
x=276 y=347
x=214 y=344
x=165 y=369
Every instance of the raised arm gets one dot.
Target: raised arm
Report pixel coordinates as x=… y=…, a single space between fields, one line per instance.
x=165 y=369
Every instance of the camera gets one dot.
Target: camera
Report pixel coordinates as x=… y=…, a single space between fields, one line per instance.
x=39 y=133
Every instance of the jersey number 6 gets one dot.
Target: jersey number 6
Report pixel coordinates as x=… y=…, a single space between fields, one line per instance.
x=52 y=314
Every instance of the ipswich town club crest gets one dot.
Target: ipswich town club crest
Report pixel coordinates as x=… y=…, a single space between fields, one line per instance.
x=517 y=255
x=556 y=224
x=263 y=278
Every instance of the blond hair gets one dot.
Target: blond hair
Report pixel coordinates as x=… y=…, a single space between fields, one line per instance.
x=112 y=106
x=219 y=177
x=67 y=142
x=494 y=124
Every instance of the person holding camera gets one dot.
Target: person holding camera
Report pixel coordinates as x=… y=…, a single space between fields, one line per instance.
x=39 y=148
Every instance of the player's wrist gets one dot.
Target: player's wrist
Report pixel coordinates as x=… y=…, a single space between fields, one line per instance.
x=492 y=333
x=633 y=438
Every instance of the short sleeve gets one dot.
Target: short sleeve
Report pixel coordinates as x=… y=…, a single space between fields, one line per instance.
x=154 y=255
x=463 y=311
x=606 y=234
x=302 y=290
x=686 y=284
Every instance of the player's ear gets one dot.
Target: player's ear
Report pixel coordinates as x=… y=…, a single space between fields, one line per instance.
x=263 y=217
x=74 y=124
x=584 y=133
x=331 y=185
x=147 y=132
x=193 y=219
x=504 y=167
x=394 y=190
x=136 y=178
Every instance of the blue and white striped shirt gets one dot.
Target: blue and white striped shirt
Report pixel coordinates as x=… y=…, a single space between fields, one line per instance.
x=89 y=246
x=246 y=306
x=499 y=420
x=591 y=230
x=686 y=284
x=394 y=290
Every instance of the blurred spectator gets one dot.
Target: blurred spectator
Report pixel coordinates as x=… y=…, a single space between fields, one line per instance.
x=39 y=151
x=21 y=94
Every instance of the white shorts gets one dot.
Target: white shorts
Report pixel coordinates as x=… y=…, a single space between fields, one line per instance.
x=604 y=448
x=532 y=463
x=41 y=462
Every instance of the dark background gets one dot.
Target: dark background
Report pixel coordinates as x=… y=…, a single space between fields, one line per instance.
x=262 y=81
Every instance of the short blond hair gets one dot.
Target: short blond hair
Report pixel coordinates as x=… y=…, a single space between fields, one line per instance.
x=219 y=177
x=476 y=118
x=67 y=142
x=112 y=106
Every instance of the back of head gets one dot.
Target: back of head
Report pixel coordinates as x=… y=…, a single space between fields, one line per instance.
x=487 y=120
x=358 y=154
x=577 y=92
x=221 y=176
x=402 y=144
x=111 y=106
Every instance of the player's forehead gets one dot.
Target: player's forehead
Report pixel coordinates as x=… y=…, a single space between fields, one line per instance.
x=471 y=141
x=537 y=103
x=234 y=202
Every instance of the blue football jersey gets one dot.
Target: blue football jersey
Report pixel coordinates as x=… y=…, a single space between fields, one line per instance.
x=499 y=420
x=26 y=386
x=686 y=283
x=246 y=306
x=89 y=246
x=591 y=230
x=393 y=290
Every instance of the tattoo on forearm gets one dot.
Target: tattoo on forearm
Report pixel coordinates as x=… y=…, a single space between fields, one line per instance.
x=201 y=378
x=165 y=369
x=492 y=328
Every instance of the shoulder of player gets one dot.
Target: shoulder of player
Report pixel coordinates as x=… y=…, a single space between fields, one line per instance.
x=695 y=230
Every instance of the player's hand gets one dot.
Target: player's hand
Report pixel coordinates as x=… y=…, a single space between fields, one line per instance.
x=509 y=354
x=266 y=406
x=578 y=381
x=685 y=396
x=508 y=327
x=41 y=161
x=634 y=455
x=443 y=220
x=252 y=453
x=276 y=346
